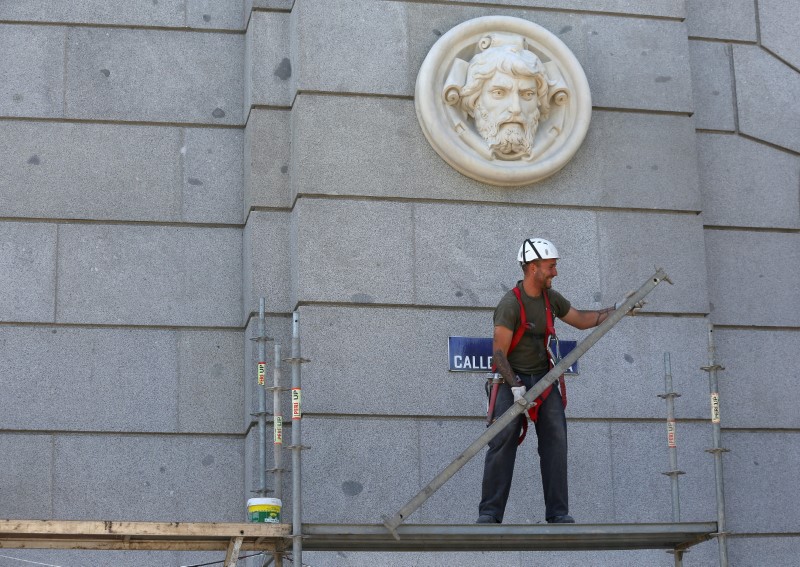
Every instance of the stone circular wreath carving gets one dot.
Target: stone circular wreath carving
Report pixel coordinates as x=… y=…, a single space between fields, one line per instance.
x=503 y=100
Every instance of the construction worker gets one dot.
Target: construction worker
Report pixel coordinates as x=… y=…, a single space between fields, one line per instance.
x=521 y=354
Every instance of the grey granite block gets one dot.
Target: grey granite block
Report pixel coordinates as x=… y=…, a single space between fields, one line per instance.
x=89 y=379
x=712 y=85
x=632 y=246
x=364 y=467
x=125 y=558
x=390 y=559
x=760 y=475
x=31 y=70
x=722 y=19
x=168 y=13
x=266 y=261
x=213 y=14
x=400 y=352
x=623 y=374
x=771 y=296
x=763 y=550
x=366 y=246
x=91 y=171
x=627 y=160
x=154 y=478
x=466 y=255
x=642 y=64
x=213 y=176
x=640 y=455
x=166 y=381
x=747 y=184
x=149 y=275
x=210 y=395
x=664 y=8
x=756 y=391
x=778 y=22
x=270 y=60
x=273 y=4
x=626 y=558
x=25 y=487
x=764 y=84
x=122 y=172
x=27 y=271
x=154 y=76
x=267 y=153
x=398 y=35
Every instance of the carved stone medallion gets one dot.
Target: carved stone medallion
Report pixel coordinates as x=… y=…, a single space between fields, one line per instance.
x=503 y=100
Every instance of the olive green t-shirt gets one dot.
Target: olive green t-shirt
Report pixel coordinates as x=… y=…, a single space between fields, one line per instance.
x=529 y=356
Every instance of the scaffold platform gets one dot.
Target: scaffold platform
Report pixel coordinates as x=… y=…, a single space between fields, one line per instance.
x=195 y=536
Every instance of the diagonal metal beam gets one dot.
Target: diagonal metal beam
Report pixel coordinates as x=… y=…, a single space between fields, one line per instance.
x=520 y=406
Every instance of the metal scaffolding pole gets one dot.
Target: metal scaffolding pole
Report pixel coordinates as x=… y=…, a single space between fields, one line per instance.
x=297 y=413
x=261 y=338
x=717 y=449
x=277 y=437
x=673 y=472
x=521 y=405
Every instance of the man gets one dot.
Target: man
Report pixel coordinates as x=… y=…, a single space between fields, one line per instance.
x=526 y=363
x=506 y=92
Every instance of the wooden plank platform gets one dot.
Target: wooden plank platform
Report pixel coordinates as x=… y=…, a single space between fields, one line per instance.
x=193 y=536
x=112 y=535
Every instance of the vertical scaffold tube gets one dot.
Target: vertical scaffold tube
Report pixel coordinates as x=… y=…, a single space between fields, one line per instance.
x=277 y=437
x=277 y=412
x=297 y=446
x=672 y=444
x=717 y=449
x=262 y=401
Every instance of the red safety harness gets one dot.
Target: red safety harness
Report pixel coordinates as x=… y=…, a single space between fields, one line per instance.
x=533 y=411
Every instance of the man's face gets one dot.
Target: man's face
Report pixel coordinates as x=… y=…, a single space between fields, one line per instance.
x=507 y=113
x=545 y=271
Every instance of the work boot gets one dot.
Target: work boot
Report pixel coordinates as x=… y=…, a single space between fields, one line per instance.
x=561 y=520
x=486 y=519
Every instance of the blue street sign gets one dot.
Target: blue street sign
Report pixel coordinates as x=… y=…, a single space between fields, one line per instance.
x=472 y=354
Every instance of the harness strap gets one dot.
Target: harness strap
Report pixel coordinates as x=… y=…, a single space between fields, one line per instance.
x=533 y=411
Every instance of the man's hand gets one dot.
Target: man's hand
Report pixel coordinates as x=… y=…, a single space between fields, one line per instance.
x=519 y=392
x=636 y=306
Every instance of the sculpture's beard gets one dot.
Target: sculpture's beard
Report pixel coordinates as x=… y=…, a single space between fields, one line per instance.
x=508 y=140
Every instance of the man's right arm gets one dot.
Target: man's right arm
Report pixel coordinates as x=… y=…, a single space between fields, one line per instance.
x=500 y=345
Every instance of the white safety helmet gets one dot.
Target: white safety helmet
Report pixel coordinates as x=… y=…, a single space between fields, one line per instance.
x=536 y=249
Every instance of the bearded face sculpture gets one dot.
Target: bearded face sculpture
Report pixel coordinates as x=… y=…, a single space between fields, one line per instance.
x=503 y=101
x=507 y=94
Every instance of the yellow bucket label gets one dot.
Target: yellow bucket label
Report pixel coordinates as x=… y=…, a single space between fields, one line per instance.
x=264 y=513
x=262 y=367
x=296 y=396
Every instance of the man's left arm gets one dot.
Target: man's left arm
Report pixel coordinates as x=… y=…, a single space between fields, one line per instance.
x=581 y=319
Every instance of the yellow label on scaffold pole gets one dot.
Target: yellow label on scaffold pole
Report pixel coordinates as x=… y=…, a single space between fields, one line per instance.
x=278 y=430
x=296 y=412
x=262 y=367
x=671 y=434
x=715 y=407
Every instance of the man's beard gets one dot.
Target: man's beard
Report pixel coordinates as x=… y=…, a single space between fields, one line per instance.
x=511 y=140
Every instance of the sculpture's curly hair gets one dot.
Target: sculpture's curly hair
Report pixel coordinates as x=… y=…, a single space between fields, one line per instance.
x=508 y=59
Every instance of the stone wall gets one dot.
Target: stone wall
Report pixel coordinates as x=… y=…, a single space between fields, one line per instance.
x=168 y=163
